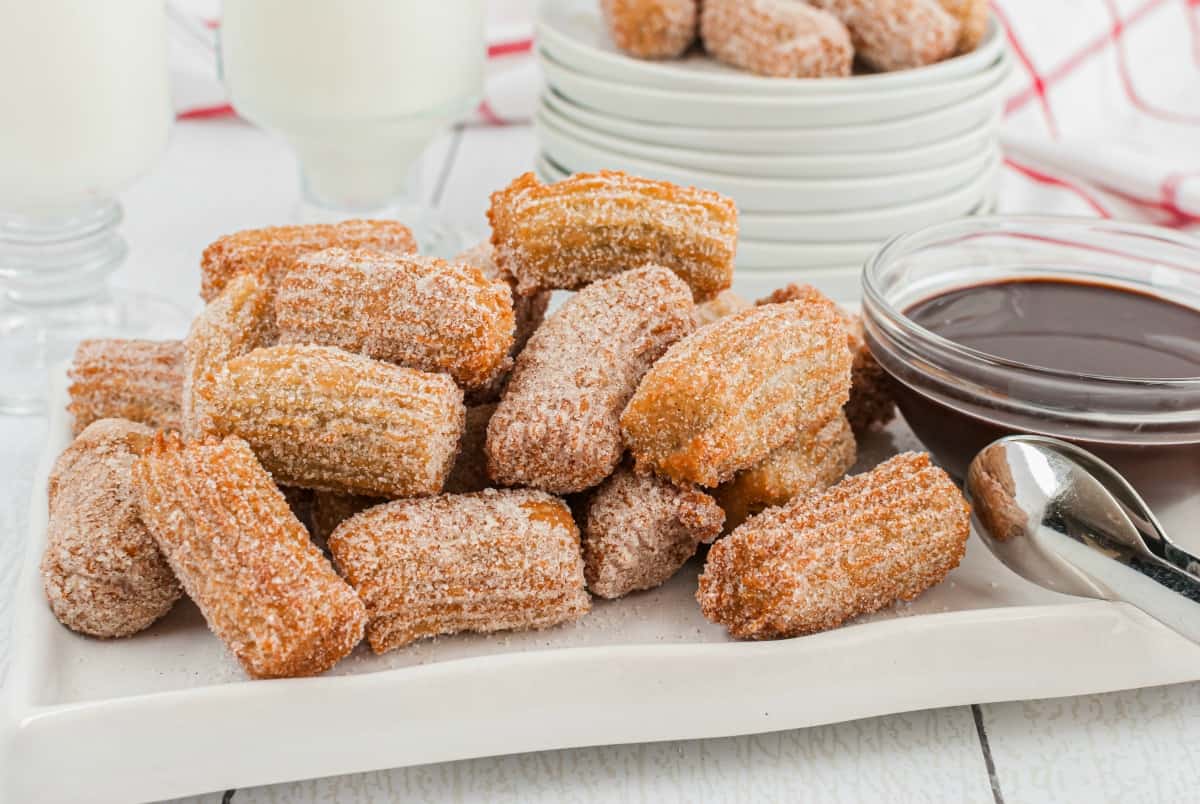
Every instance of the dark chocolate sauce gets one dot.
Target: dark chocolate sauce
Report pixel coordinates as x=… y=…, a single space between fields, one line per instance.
x=1069 y=326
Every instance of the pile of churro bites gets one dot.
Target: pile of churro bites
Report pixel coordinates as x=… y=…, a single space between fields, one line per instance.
x=355 y=440
x=797 y=39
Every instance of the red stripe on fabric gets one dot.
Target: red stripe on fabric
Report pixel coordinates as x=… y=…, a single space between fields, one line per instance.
x=509 y=48
x=1081 y=56
x=1039 y=85
x=489 y=115
x=1126 y=76
x=211 y=23
x=206 y=112
x=1170 y=193
x=1054 y=181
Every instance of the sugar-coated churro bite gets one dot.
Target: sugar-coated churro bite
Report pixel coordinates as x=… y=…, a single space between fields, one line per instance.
x=491 y=561
x=419 y=312
x=102 y=572
x=246 y=561
x=972 y=16
x=875 y=538
x=651 y=29
x=270 y=252
x=237 y=321
x=592 y=225
x=527 y=310
x=322 y=418
x=811 y=463
x=112 y=378
x=897 y=34
x=639 y=530
x=779 y=38
x=557 y=426
x=723 y=398
x=727 y=302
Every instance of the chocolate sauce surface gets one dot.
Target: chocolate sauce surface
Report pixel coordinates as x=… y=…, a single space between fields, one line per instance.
x=1069 y=326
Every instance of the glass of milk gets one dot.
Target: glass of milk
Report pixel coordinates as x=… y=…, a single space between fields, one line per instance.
x=358 y=88
x=84 y=110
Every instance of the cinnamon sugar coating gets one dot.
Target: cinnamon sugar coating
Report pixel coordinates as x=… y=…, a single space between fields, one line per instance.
x=529 y=311
x=419 y=312
x=724 y=303
x=972 y=16
x=810 y=464
x=491 y=561
x=102 y=572
x=270 y=252
x=237 y=321
x=897 y=34
x=226 y=530
x=778 y=38
x=321 y=418
x=871 y=404
x=875 y=538
x=723 y=398
x=640 y=529
x=592 y=225
x=469 y=472
x=651 y=29
x=113 y=378
x=557 y=427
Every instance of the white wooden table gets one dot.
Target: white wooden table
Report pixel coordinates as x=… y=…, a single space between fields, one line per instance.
x=1141 y=746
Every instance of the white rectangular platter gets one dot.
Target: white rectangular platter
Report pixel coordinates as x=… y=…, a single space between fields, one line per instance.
x=167 y=713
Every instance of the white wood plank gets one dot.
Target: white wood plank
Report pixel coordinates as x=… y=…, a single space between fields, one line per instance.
x=1136 y=746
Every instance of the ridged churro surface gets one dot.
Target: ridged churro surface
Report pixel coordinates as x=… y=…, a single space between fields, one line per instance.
x=322 y=418
x=270 y=252
x=723 y=398
x=113 y=378
x=640 y=529
x=592 y=225
x=557 y=426
x=527 y=310
x=897 y=34
x=246 y=561
x=810 y=464
x=419 y=312
x=651 y=29
x=102 y=572
x=491 y=561
x=778 y=38
x=875 y=538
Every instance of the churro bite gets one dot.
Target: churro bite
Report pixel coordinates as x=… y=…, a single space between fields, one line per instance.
x=811 y=463
x=651 y=29
x=265 y=590
x=972 y=16
x=322 y=418
x=778 y=38
x=113 y=378
x=528 y=311
x=491 y=561
x=897 y=34
x=810 y=565
x=419 y=312
x=557 y=426
x=237 y=321
x=270 y=252
x=639 y=530
x=593 y=225
x=724 y=303
x=725 y=397
x=102 y=572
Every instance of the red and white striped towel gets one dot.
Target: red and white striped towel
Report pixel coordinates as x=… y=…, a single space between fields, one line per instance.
x=1103 y=115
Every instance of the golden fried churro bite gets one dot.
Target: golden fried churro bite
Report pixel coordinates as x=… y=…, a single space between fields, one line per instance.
x=227 y=532
x=897 y=34
x=651 y=29
x=972 y=16
x=141 y=381
x=270 y=252
x=557 y=427
x=419 y=312
x=723 y=398
x=778 y=38
x=102 y=572
x=322 y=418
x=491 y=561
x=527 y=310
x=238 y=321
x=809 y=464
x=875 y=538
x=640 y=529
x=592 y=225
x=724 y=303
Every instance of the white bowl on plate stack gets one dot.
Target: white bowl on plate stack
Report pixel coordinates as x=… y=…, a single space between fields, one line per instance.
x=822 y=170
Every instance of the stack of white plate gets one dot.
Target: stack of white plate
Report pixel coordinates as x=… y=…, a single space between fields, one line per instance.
x=822 y=170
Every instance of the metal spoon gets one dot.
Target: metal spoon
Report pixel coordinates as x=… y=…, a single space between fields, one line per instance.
x=1061 y=517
